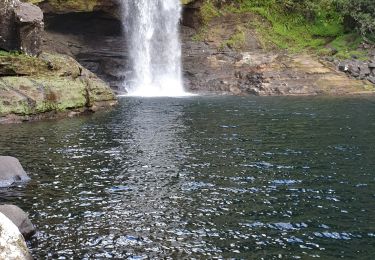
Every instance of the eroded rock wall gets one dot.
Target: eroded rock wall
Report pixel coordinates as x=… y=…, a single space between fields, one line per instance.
x=225 y=57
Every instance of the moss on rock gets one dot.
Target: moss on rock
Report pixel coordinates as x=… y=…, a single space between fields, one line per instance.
x=50 y=83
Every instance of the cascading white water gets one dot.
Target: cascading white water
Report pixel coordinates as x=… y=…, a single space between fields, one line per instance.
x=152 y=30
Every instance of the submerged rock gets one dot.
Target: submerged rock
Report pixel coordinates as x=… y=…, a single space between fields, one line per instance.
x=20 y=219
x=12 y=243
x=11 y=171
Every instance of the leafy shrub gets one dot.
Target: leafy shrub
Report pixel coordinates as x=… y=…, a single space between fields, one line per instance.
x=362 y=13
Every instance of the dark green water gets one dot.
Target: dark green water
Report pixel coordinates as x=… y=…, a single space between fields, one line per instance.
x=201 y=177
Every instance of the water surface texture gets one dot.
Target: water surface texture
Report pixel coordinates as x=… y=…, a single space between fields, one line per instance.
x=201 y=177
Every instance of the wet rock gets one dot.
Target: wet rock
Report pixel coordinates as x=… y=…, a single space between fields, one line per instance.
x=11 y=171
x=20 y=219
x=12 y=243
x=97 y=44
x=252 y=83
x=191 y=15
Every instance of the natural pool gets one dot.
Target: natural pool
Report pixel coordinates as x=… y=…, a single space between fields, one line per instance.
x=201 y=177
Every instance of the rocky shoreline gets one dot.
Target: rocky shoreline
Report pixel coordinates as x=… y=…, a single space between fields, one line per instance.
x=15 y=225
x=358 y=69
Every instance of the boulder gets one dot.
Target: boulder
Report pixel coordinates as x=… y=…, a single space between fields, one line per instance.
x=21 y=27
x=354 y=69
x=343 y=66
x=12 y=243
x=364 y=71
x=30 y=26
x=20 y=219
x=11 y=171
x=8 y=33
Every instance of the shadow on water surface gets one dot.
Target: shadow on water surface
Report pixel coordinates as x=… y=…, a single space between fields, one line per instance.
x=203 y=177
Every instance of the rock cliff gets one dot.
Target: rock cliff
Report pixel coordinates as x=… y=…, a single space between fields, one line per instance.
x=223 y=55
x=228 y=57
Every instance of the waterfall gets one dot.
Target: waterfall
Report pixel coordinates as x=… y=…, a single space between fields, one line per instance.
x=152 y=31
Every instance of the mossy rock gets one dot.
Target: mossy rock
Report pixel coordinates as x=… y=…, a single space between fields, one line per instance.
x=51 y=82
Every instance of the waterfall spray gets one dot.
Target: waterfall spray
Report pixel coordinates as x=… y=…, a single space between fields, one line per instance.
x=152 y=30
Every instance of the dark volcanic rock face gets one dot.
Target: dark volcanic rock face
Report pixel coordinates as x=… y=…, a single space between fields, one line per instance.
x=94 y=39
x=191 y=14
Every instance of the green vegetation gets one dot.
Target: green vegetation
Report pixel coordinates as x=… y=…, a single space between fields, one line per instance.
x=237 y=40
x=335 y=27
x=361 y=14
x=9 y=53
x=208 y=11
